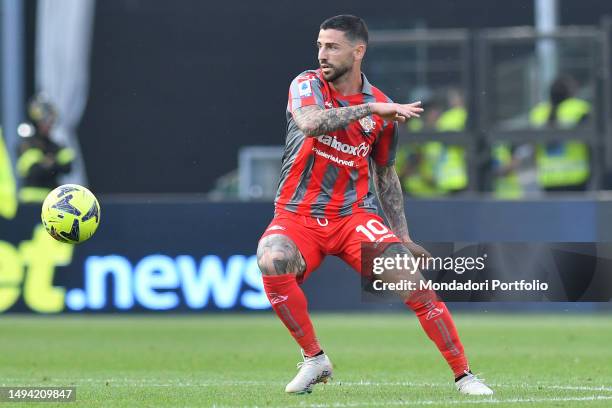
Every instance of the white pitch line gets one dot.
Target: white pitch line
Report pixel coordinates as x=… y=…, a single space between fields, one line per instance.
x=158 y=382
x=127 y=382
x=485 y=400
x=580 y=388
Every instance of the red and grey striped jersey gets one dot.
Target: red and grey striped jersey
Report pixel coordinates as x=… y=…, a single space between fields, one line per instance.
x=329 y=175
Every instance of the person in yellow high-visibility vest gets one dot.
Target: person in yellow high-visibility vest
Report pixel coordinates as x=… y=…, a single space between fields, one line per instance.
x=8 y=190
x=415 y=162
x=506 y=183
x=41 y=160
x=415 y=167
x=563 y=165
x=451 y=168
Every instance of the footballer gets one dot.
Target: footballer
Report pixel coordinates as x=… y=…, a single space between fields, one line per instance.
x=341 y=135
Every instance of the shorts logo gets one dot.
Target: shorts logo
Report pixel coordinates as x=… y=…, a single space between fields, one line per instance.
x=275 y=298
x=367 y=124
x=304 y=88
x=361 y=150
x=276 y=227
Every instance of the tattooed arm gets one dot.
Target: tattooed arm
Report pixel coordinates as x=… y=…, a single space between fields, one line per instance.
x=391 y=199
x=316 y=121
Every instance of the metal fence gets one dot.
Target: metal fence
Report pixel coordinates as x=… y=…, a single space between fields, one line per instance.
x=502 y=74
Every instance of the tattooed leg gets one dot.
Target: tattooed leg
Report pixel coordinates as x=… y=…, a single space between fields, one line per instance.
x=281 y=263
x=278 y=255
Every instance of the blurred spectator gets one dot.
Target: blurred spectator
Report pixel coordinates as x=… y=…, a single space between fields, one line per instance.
x=513 y=170
x=451 y=168
x=505 y=181
x=8 y=195
x=41 y=160
x=415 y=162
x=455 y=118
x=564 y=165
x=433 y=108
x=415 y=167
x=434 y=168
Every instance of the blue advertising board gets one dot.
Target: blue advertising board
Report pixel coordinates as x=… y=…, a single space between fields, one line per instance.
x=193 y=256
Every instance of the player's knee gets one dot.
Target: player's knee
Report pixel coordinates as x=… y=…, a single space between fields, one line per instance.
x=273 y=262
x=269 y=261
x=278 y=255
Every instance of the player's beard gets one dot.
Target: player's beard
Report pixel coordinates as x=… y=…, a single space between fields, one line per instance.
x=336 y=72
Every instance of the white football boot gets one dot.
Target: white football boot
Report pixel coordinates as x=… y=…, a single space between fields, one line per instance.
x=472 y=385
x=312 y=370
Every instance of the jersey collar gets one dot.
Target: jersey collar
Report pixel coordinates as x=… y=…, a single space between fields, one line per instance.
x=366 y=87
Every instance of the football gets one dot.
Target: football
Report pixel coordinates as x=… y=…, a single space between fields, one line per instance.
x=71 y=213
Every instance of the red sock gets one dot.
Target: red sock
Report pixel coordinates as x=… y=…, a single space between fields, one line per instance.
x=438 y=323
x=289 y=303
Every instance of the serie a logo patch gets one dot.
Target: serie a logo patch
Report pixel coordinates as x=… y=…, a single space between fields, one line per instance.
x=304 y=88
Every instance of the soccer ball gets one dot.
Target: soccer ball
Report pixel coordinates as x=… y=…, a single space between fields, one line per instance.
x=71 y=213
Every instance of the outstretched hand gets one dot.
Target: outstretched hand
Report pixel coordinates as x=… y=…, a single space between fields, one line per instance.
x=396 y=111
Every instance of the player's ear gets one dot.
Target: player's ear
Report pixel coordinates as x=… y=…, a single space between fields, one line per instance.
x=359 y=51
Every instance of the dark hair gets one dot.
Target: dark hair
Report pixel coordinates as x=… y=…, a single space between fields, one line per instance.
x=352 y=26
x=560 y=90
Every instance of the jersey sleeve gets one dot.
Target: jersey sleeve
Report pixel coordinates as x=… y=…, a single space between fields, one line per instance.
x=305 y=90
x=385 y=147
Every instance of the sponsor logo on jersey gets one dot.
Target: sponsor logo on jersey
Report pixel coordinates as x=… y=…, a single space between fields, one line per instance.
x=361 y=150
x=335 y=159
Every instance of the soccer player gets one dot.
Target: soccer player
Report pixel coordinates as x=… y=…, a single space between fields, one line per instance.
x=341 y=133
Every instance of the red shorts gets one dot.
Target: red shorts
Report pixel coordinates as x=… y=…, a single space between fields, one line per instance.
x=317 y=237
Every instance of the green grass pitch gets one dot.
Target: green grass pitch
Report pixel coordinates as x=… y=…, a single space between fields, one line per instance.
x=240 y=360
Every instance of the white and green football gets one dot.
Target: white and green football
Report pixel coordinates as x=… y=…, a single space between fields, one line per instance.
x=71 y=213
